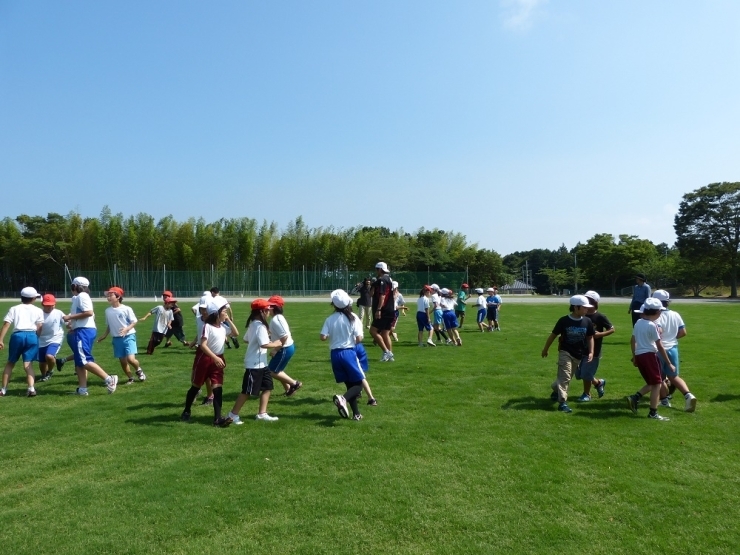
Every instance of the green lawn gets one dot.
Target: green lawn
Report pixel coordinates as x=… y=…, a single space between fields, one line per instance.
x=464 y=454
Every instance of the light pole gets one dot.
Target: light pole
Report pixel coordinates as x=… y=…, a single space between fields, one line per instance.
x=575 y=272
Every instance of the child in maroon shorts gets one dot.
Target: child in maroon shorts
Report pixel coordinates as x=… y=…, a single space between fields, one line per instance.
x=646 y=345
x=209 y=359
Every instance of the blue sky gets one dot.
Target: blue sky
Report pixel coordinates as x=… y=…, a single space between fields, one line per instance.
x=519 y=123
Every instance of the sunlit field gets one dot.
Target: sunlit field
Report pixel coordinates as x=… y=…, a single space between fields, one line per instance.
x=464 y=453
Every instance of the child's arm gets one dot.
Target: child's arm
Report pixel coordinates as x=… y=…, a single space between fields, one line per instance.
x=145 y=317
x=234 y=331
x=546 y=348
x=216 y=359
x=3 y=331
x=102 y=337
x=633 y=342
x=323 y=337
x=604 y=333
x=590 y=341
x=681 y=333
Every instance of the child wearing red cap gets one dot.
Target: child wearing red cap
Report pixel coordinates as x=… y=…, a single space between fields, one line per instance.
x=462 y=298
x=209 y=361
x=51 y=336
x=163 y=318
x=280 y=356
x=257 y=379
x=26 y=320
x=121 y=321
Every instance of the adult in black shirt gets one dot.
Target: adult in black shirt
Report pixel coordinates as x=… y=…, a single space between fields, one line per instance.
x=365 y=302
x=383 y=311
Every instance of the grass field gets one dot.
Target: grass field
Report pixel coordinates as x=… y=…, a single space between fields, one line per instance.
x=464 y=454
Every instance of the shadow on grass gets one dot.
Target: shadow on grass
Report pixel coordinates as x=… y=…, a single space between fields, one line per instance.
x=155 y=406
x=725 y=397
x=326 y=419
x=613 y=408
x=530 y=403
x=170 y=418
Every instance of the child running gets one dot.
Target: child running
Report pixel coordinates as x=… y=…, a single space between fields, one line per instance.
x=480 y=304
x=646 y=345
x=280 y=331
x=209 y=361
x=587 y=370
x=26 y=320
x=436 y=306
x=257 y=381
x=201 y=315
x=178 y=321
x=422 y=316
x=576 y=342
x=163 y=319
x=120 y=320
x=50 y=339
x=344 y=331
x=448 y=303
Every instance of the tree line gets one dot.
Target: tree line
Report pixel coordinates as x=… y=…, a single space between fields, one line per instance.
x=34 y=249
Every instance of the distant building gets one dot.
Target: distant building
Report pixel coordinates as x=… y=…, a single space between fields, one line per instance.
x=518 y=288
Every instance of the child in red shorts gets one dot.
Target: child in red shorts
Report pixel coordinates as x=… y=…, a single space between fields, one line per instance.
x=646 y=345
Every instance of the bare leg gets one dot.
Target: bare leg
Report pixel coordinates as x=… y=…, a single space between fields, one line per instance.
x=264 y=399
x=239 y=403
x=30 y=378
x=124 y=367
x=7 y=372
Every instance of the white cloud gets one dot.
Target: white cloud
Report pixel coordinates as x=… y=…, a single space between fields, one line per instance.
x=519 y=14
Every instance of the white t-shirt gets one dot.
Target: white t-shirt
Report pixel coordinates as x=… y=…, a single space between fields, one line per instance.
x=279 y=329
x=399 y=301
x=670 y=323
x=481 y=302
x=215 y=338
x=646 y=333
x=435 y=301
x=162 y=316
x=52 y=332
x=341 y=331
x=82 y=303
x=256 y=336
x=422 y=304
x=448 y=303
x=199 y=324
x=25 y=317
x=119 y=318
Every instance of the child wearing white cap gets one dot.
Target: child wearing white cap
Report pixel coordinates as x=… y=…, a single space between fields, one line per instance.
x=344 y=330
x=576 y=343
x=586 y=371
x=493 y=303
x=482 y=307
x=672 y=329
x=26 y=320
x=82 y=319
x=437 y=318
x=646 y=345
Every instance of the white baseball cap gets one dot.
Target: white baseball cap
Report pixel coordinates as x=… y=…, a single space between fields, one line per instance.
x=489 y=290
x=29 y=293
x=395 y=285
x=650 y=303
x=661 y=295
x=580 y=300
x=340 y=298
x=444 y=291
x=593 y=295
x=81 y=281
x=382 y=266
x=434 y=287
x=479 y=290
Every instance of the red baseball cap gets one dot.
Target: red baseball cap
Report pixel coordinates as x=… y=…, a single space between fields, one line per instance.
x=116 y=291
x=170 y=300
x=48 y=300
x=276 y=300
x=260 y=304
x=166 y=294
x=464 y=285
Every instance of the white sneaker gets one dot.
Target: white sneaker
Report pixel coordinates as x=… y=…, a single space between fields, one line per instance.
x=431 y=343
x=112 y=383
x=450 y=342
x=264 y=416
x=235 y=420
x=341 y=403
x=665 y=402
x=690 y=403
x=390 y=357
x=81 y=391
x=385 y=357
x=141 y=375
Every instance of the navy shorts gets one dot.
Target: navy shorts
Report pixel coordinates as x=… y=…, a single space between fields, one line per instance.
x=346 y=365
x=256 y=380
x=481 y=315
x=492 y=314
x=450 y=319
x=23 y=344
x=50 y=350
x=84 y=339
x=422 y=321
x=281 y=359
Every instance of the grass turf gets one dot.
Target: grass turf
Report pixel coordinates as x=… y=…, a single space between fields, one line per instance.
x=464 y=454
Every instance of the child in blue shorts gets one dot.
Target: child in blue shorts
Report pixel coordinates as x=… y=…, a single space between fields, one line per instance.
x=26 y=320
x=120 y=320
x=51 y=336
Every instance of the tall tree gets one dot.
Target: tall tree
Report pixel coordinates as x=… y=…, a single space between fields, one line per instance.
x=708 y=222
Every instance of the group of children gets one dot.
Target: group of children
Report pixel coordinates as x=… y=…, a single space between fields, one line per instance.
x=654 y=346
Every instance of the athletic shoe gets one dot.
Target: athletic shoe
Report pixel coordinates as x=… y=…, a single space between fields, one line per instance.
x=357 y=417
x=584 y=398
x=554 y=395
x=450 y=342
x=384 y=358
x=341 y=404
x=185 y=416
x=665 y=402
x=168 y=344
x=266 y=417
x=422 y=345
x=600 y=388
x=372 y=402
x=60 y=364
x=222 y=422
x=632 y=403
x=130 y=381
x=112 y=384
x=31 y=393
x=227 y=345
x=208 y=401
x=563 y=407
x=3 y=393
x=235 y=341
x=235 y=420
x=459 y=342
x=390 y=357
x=431 y=343
x=656 y=416
x=293 y=388
x=80 y=391
x=45 y=378
x=140 y=374
x=690 y=403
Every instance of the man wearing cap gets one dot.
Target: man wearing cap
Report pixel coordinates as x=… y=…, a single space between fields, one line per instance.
x=26 y=320
x=640 y=292
x=82 y=318
x=383 y=311
x=672 y=329
x=50 y=339
x=462 y=297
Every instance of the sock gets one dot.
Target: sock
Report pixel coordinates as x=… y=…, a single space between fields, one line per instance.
x=653 y=411
x=351 y=397
x=31 y=388
x=444 y=334
x=671 y=389
x=688 y=395
x=436 y=332
x=190 y=397
x=217 y=402
x=637 y=396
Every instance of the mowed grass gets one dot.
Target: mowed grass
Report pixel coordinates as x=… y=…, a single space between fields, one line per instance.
x=464 y=453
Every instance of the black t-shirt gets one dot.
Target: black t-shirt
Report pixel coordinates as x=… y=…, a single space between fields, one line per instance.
x=383 y=286
x=573 y=335
x=601 y=323
x=177 y=320
x=366 y=298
